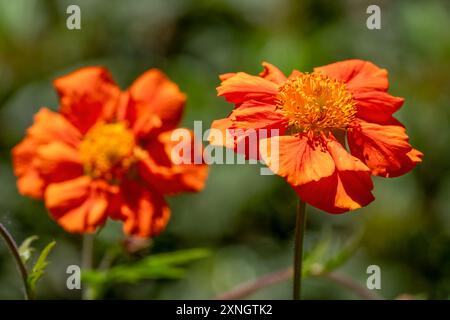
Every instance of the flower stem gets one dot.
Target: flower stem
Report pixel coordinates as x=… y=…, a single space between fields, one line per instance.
x=15 y=253
x=248 y=288
x=352 y=285
x=298 y=247
x=87 y=252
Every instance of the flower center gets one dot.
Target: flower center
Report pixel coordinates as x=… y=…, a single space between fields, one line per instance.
x=313 y=101
x=107 y=148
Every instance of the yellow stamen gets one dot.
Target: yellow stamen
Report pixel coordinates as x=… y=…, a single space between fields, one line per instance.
x=106 y=147
x=313 y=101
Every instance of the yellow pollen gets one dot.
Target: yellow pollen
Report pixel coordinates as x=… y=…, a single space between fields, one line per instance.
x=107 y=148
x=313 y=101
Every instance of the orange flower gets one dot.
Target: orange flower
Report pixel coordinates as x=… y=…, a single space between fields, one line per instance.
x=316 y=113
x=107 y=153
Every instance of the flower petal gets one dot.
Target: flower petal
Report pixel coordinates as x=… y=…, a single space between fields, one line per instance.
x=343 y=160
x=383 y=148
x=295 y=74
x=226 y=76
x=48 y=128
x=339 y=193
x=145 y=213
x=376 y=106
x=246 y=125
x=272 y=73
x=220 y=134
x=29 y=180
x=58 y=162
x=154 y=94
x=258 y=115
x=359 y=75
x=348 y=188
x=77 y=205
x=164 y=168
x=299 y=159
x=87 y=96
x=242 y=87
x=253 y=121
x=368 y=85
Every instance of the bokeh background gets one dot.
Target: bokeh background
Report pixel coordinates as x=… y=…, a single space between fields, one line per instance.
x=245 y=219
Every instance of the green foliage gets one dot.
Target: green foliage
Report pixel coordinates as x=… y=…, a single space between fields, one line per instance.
x=159 y=266
x=344 y=254
x=325 y=257
x=38 y=269
x=26 y=250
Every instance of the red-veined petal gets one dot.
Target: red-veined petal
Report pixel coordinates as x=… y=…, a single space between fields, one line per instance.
x=348 y=188
x=169 y=170
x=359 y=75
x=242 y=87
x=153 y=94
x=87 y=96
x=145 y=213
x=383 y=148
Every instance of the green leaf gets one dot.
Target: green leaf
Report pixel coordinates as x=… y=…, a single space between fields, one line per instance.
x=325 y=257
x=25 y=249
x=39 y=268
x=344 y=254
x=158 y=266
x=314 y=258
x=175 y=258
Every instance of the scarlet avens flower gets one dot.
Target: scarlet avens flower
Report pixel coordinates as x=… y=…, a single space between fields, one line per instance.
x=107 y=153
x=316 y=115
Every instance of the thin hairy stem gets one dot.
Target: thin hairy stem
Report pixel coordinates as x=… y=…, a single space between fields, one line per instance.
x=19 y=263
x=298 y=247
x=87 y=253
x=251 y=287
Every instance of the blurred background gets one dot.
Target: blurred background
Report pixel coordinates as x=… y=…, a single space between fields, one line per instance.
x=246 y=220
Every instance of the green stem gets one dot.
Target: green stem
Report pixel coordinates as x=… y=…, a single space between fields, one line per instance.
x=87 y=253
x=298 y=247
x=15 y=253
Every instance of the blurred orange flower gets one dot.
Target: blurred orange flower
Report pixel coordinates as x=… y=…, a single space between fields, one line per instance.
x=315 y=114
x=107 y=153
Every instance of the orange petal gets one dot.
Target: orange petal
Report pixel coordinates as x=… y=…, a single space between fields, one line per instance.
x=165 y=173
x=343 y=160
x=143 y=122
x=58 y=162
x=272 y=73
x=341 y=192
x=226 y=76
x=243 y=87
x=77 y=205
x=358 y=75
x=258 y=115
x=253 y=121
x=348 y=188
x=49 y=127
x=220 y=135
x=383 y=148
x=145 y=213
x=87 y=95
x=299 y=159
x=155 y=95
x=294 y=74
x=29 y=180
x=246 y=125
x=376 y=106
